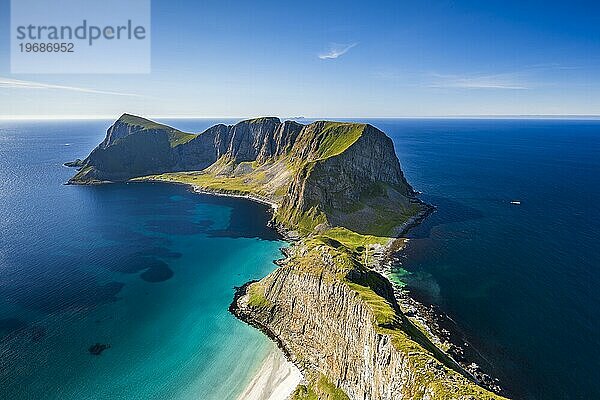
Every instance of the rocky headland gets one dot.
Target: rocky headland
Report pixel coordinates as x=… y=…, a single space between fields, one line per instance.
x=338 y=191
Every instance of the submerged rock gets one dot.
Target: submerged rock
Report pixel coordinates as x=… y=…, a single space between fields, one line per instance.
x=157 y=274
x=97 y=348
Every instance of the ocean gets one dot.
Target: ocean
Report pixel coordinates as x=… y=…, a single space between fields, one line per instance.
x=521 y=281
x=149 y=269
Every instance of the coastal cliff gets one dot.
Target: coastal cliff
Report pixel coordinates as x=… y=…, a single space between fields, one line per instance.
x=338 y=189
x=339 y=323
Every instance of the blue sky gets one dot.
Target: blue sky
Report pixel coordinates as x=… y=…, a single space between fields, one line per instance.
x=339 y=59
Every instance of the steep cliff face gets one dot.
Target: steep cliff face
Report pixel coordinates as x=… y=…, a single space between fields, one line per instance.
x=252 y=137
x=280 y=142
x=339 y=321
x=135 y=146
x=342 y=169
x=323 y=174
x=122 y=156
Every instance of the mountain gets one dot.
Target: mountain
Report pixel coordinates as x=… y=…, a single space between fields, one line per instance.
x=338 y=189
x=332 y=173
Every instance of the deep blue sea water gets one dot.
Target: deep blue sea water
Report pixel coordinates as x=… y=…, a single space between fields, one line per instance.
x=521 y=280
x=149 y=269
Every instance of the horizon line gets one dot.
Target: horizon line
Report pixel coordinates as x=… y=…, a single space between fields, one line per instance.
x=452 y=116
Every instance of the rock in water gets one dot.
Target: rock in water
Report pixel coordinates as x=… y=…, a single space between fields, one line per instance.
x=98 y=348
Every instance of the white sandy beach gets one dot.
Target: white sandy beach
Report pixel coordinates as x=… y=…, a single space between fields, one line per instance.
x=275 y=380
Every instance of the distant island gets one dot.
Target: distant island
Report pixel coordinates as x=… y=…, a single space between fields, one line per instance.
x=339 y=194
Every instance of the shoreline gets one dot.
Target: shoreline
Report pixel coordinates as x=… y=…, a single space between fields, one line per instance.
x=440 y=328
x=276 y=379
x=286 y=234
x=225 y=193
x=278 y=376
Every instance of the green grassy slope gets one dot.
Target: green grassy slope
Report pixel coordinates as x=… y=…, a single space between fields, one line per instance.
x=335 y=138
x=176 y=137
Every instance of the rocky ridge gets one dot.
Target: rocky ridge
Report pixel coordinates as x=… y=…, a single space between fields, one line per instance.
x=339 y=190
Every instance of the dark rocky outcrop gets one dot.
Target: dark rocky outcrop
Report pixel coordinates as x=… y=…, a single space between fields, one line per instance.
x=97 y=348
x=78 y=163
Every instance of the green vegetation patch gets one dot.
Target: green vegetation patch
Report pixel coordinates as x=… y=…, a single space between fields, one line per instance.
x=386 y=220
x=336 y=137
x=176 y=137
x=238 y=185
x=142 y=122
x=256 y=296
x=362 y=246
x=304 y=392
x=322 y=389
x=354 y=241
x=304 y=222
x=331 y=391
x=382 y=310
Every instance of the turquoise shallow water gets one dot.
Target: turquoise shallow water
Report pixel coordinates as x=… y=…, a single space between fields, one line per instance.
x=520 y=281
x=146 y=268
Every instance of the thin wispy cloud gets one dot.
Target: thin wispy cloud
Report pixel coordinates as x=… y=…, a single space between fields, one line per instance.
x=506 y=81
x=527 y=77
x=336 y=50
x=19 y=84
x=552 y=66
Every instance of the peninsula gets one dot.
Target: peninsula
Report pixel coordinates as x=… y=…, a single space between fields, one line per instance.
x=339 y=194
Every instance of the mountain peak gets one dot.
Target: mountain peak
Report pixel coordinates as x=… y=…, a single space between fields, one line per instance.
x=261 y=120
